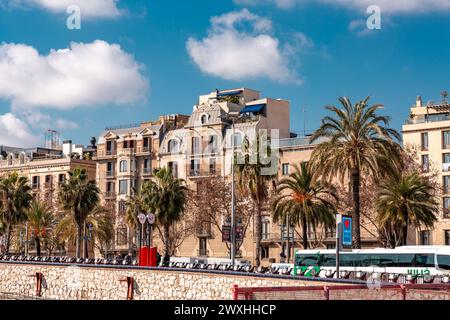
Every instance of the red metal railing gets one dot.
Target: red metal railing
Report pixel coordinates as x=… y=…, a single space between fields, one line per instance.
x=346 y=292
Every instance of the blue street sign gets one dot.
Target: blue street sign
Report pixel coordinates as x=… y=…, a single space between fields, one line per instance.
x=347 y=231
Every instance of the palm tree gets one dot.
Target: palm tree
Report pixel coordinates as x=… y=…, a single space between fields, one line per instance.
x=79 y=196
x=166 y=197
x=15 y=199
x=100 y=225
x=41 y=220
x=404 y=200
x=254 y=175
x=306 y=201
x=358 y=142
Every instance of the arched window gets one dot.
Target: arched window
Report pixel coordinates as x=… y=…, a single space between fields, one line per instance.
x=172 y=146
x=22 y=158
x=10 y=159
x=123 y=166
x=204 y=118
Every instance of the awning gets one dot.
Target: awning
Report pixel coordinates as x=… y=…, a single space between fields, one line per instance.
x=256 y=108
x=229 y=93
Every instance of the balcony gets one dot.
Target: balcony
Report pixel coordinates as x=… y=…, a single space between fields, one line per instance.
x=197 y=173
x=110 y=195
x=270 y=237
x=48 y=185
x=146 y=150
x=429 y=120
x=147 y=171
x=110 y=174
x=35 y=186
x=202 y=253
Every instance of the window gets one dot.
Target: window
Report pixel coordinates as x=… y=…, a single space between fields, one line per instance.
x=446 y=183
x=446 y=139
x=424 y=260
x=285 y=169
x=195 y=167
x=425 y=162
x=202 y=247
x=123 y=166
x=173 y=167
x=446 y=158
x=195 y=145
x=61 y=178
x=147 y=165
x=109 y=146
x=204 y=119
x=133 y=165
x=447 y=237
x=172 y=146
x=10 y=160
x=21 y=158
x=307 y=260
x=146 y=143
x=264 y=252
x=35 y=182
x=123 y=186
x=237 y=139
x=425 y=238
x=424 y=140
x=443 y=262
x=121 y=236
x=110 y=187
x=446 y=201
x=128 y=144
x=212 y=166
x=212 y=144
x=109 y=167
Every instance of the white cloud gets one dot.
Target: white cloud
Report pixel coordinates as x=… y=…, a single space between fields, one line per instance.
x=15 y=132
x=239 y=47
x=89 y=8
x=66 y=124
x=387 y=6
x=86 y=74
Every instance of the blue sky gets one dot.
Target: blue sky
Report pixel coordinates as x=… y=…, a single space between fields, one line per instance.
x=314 y=53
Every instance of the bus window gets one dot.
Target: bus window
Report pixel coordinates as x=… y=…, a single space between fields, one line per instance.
x=328 y=260
x=424 y=260
x=444 y=262
x=307 y=260
x=405 y=260
x=346 y=260
x=361 y=260
x=383 y=260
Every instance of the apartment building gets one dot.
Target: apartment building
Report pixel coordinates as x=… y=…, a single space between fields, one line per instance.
x=126 y=157
x=428 y=129
x=45 y=169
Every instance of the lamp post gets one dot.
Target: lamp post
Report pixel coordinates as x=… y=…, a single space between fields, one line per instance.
x=228 y=118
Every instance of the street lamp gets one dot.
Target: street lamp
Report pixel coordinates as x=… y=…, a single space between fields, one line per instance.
x=227 y=117
x=143 y=219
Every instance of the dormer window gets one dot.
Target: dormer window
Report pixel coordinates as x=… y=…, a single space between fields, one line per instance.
x=172 y=146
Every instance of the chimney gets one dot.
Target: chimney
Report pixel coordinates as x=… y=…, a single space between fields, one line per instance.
x=419 y=101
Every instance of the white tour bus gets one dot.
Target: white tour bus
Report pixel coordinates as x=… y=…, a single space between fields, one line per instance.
x=415 y=260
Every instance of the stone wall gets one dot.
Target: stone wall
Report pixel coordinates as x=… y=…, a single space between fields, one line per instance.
x=104 y=283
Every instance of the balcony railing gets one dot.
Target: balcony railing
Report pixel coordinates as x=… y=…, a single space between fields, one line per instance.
x=110 y=194
x=110 y=174
x=48 y=185
x=202 y=252
x=35 y=186
x=433 y=119
x=144 y=150
x=110 y=152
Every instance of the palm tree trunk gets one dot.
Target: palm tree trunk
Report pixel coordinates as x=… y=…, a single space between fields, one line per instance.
x=258 y=231
x=356 y=183
x=405 y=231
x=304 y=232
x=166 y=243
x=79 y=240
x=8 y=238
x=38 y=246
